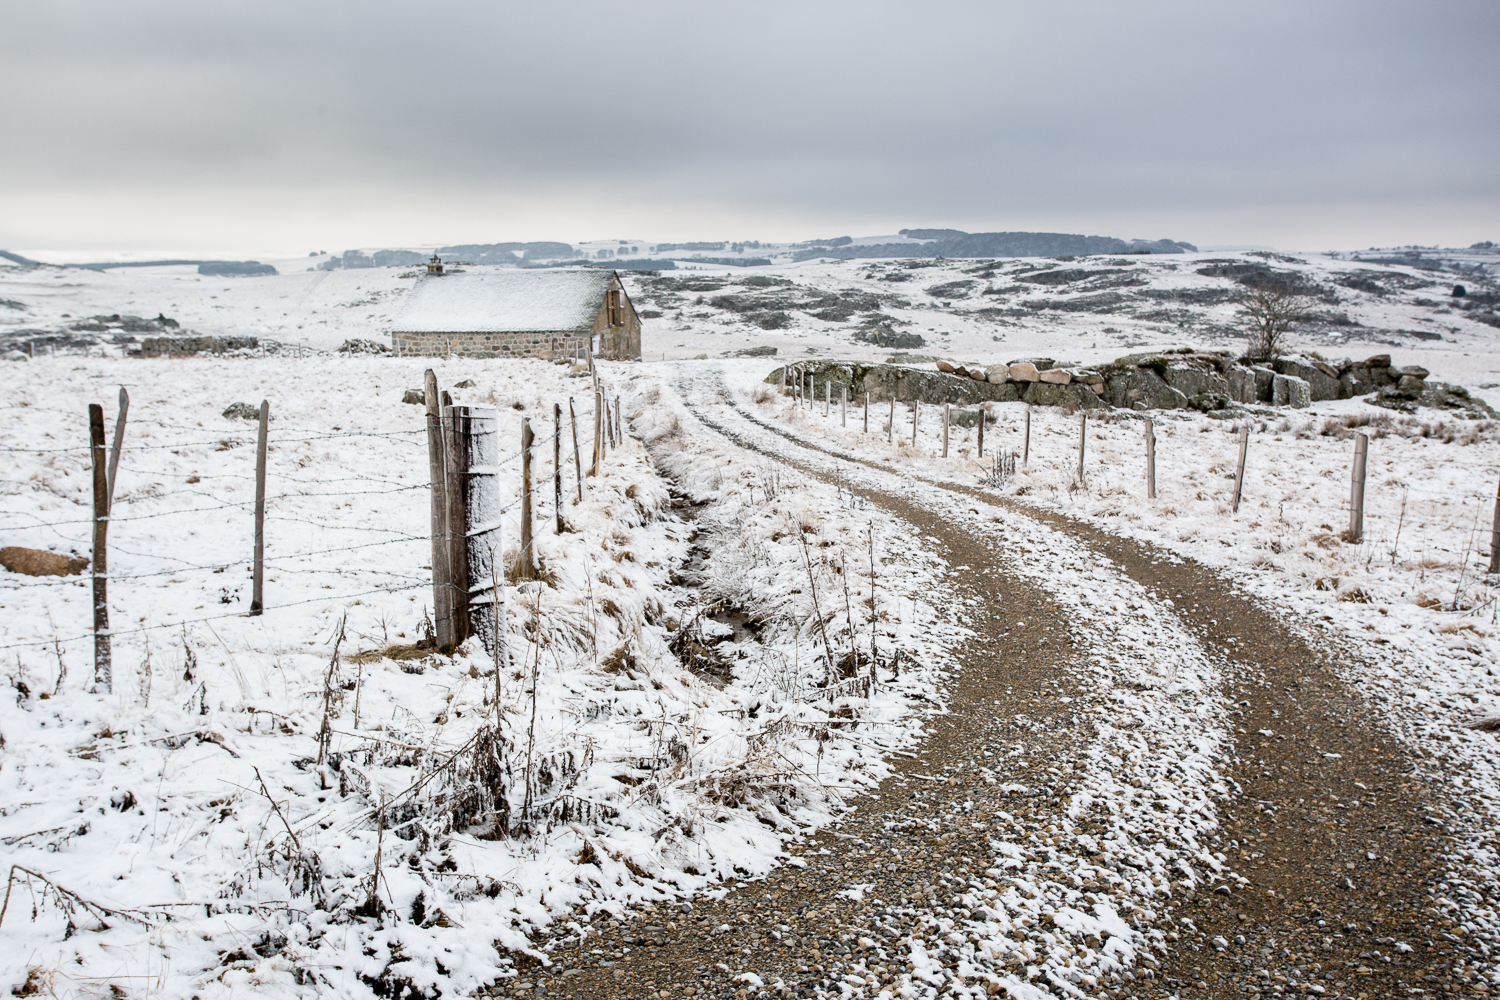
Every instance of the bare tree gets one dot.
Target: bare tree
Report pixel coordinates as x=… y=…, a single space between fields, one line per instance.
x=1272 y=309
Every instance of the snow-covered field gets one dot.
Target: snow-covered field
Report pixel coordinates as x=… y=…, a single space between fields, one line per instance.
x=184 y=823
x=666 y=727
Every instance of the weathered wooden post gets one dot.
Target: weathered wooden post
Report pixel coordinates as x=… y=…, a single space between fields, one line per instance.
x=527 y=569
x=1026 y=440
x=786 y=371
x=1150 y=460
x=981 y=431
x=1494 y=537
x=867 y=413
x=844 y=405
x=916 y=407
x=619 y=425
x=1239 y=472
x=598 y=430
x=577 y=461
x=103 y=661
x=258 y=570
x=827 y=396
x=890 y=427
x=557 y=465
x=119 y=441
x=483 y=599
x=1357 y=488
x=945 y=430
x=1083 y=433
x=437 y=473
x=456 y=474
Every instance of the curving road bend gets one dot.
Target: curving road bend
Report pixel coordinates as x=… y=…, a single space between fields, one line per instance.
x=1147 y=785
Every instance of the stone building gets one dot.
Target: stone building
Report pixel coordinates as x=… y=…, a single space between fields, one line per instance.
x=519 y=313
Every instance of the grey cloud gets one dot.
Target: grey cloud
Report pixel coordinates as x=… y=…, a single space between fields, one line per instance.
x=965 y=113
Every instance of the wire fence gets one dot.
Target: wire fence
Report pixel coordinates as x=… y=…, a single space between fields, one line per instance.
x=151 y=523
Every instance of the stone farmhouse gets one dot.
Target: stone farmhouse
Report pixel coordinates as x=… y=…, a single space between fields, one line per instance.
x=518 y=313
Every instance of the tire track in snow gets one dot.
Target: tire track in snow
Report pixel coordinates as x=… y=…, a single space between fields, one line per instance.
x=1116 y=744
x=1365 y=815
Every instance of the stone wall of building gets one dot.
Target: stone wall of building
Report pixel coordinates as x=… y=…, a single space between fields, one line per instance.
x=529 y=344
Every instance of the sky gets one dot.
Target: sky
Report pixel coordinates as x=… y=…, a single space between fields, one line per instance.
x=331 y=124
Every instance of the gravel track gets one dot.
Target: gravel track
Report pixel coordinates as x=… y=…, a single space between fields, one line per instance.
x=1331 y=839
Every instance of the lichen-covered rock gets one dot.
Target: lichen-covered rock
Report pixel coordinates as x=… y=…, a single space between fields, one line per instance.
x=1191 y=380
x=1289 y=390
x=1320 y=384
x=1140 y=388
x=1024 y=371
x=997 y=374
x=1071 y=396
x=1264 y=378
x=1241 y=382
x=242 y=411
x=1055 y=376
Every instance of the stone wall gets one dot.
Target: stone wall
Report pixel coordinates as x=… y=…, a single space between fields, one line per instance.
x=156 y=347
x=1204 y=381
x=530 y=344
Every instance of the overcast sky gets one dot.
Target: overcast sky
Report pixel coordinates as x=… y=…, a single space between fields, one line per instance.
x=330 y=125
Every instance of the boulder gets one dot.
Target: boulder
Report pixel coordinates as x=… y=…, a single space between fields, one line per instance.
x=1322 y=385
x=1289 y=390
x=944 y=366
x=1142 y=388
x=1040 y=364
x=1357 y=381
x=1055 y=376
x=1191 y=380
x=1378 y=361
x=1414 y=371
x=242 y=411
x=1209 y=402
x=978 y=374
x=1241 y=382
x=1409 y=383
x=1071 y=396
x=40 y=562
x=416 y=396
x=998 y=374
x=1023 y=371
x=1264 y=377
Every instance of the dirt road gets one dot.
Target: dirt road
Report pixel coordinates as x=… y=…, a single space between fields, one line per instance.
x=1329 y=836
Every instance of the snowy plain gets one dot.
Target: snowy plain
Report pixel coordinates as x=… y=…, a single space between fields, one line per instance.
x=147 y=801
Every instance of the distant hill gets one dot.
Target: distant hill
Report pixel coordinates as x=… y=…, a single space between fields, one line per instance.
x=955 y=243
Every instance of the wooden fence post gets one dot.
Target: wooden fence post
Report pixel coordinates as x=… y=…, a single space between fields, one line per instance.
x=1239 y=472
x=1026 y=441
x=1150 y=460
x=119 y=441
x=619 y=424
x=557 y=464
x=1494 y=536
x=482 y=599
x=598 y=430
x=1357 y=488
x=1083 y=434
x=981 y=431
x=437 y=473
x=916 y=409
x=827 y=396
x=258 y=571
x=867 y=413
x=456 y=473
x=890 y=428
x=786 y=371
x=577 y=461
x=945 y=430
x=844 y=405
x=103 y=662
x=528 y=566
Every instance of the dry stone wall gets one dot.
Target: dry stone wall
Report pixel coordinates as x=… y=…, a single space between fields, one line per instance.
x=1205 y=381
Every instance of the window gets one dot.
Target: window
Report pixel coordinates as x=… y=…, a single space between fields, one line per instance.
x=614 y=313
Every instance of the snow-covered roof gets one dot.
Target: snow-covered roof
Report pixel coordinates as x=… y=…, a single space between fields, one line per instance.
x=504 y=300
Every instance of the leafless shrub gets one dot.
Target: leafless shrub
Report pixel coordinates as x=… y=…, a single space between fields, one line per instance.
x=1271 y=309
